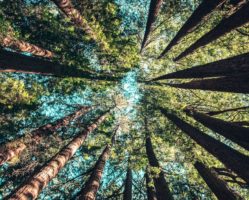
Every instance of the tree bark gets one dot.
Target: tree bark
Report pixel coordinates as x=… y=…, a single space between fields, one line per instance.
x=128 y=185
x=92 y=185
x=26 y=47
x=36 y=135
x=226 y=67
x=212 y=113
x=231 y=158
x=235 y=84
x=200 y=14
x=218 y=186
x=234 y=21
x=151 y=193
x=237 y=134
x=34 y=185
x=152 y=15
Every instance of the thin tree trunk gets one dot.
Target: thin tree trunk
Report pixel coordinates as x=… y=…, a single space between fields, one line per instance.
x=162 y=188
x=236 y=20
x=212 y=113
x=218 y=186
x=36 y=135
x=26 y=47
x=128 y=185
x=15 y=62
x=236 y=84
x=152 y=15
x=199 y=15
x=92 y=185
x=231 y=158
x=31 y=188
x=226 y=67
x=151 y=193
x=242 y=123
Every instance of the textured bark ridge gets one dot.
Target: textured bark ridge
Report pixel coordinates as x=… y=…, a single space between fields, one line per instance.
x=236 y=84
x=153 y=12
x=236 y=20
x=92 y=185
x=200 y=14
x=237 y=134
x=226 y=67
x=218 y=186
x=36 y=135
x=151 y=193
x=128 y=185
x=231 y=158
x=26 y=47
x=40 y=179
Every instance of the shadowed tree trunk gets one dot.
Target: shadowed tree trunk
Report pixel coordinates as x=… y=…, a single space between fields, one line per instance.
x=31 y=188
x=200 y=14
x=151 y=193
x=242 y=123
x=237 y=134
x=162 y=188
x=236 y=20
x=36 y=135
x=218 y=186
x=226 y=67
x=26 y=47
x=15 y=62
x=236 y=84
x=212 y=113
x=128 y=185
x=231 y=158
x=152 y=15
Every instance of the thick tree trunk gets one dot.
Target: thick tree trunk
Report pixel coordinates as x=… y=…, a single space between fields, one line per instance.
x=236 y=20
x=26 y=47
x=237 y=134
x=38 y=133
x=231 y=158
x=226 y=67
x=15 y=62
x=151 y=193
x=34 y=185
x=236 y=84
x=199 y=15
x=218 y=186
x=212 y=113
x=128 y=185
x=152 y=15
x=92 y=185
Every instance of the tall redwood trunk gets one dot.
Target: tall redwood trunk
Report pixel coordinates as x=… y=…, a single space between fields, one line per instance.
x=128 y=185
x=151 y=193
x=218 y=186
x=236 y=84
x=236 y=20
x=226 y=67
x=229 y=130
x=92 y=185
x=211 y=113
x=231 y=158
x=26 y=47
x=8 y=153
x=152 y=15
x=199 y=15
x=31 y=188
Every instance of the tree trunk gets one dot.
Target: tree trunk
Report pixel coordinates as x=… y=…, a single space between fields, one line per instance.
x=31 y=188
x=241 y=123
x=236 y=84
x=92 y=185
x=152 y=15
x=151 y=193
x=218 y=186
x=199 y=15
x=26 y=47
x=162 y=188
x=15 y=62
x=236 y=20
x=212 y=113
x=237 y=134
x=226 y=67
x=128 y=185
x=231 y=158
x=37 y=134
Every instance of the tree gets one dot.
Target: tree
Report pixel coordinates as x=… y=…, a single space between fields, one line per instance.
x=236 y=20
x=199 y=15
x=31 y=188
x=218 y=186
x=128 y=185
x=231 y=158
x=212 y=113
x=151 y=193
